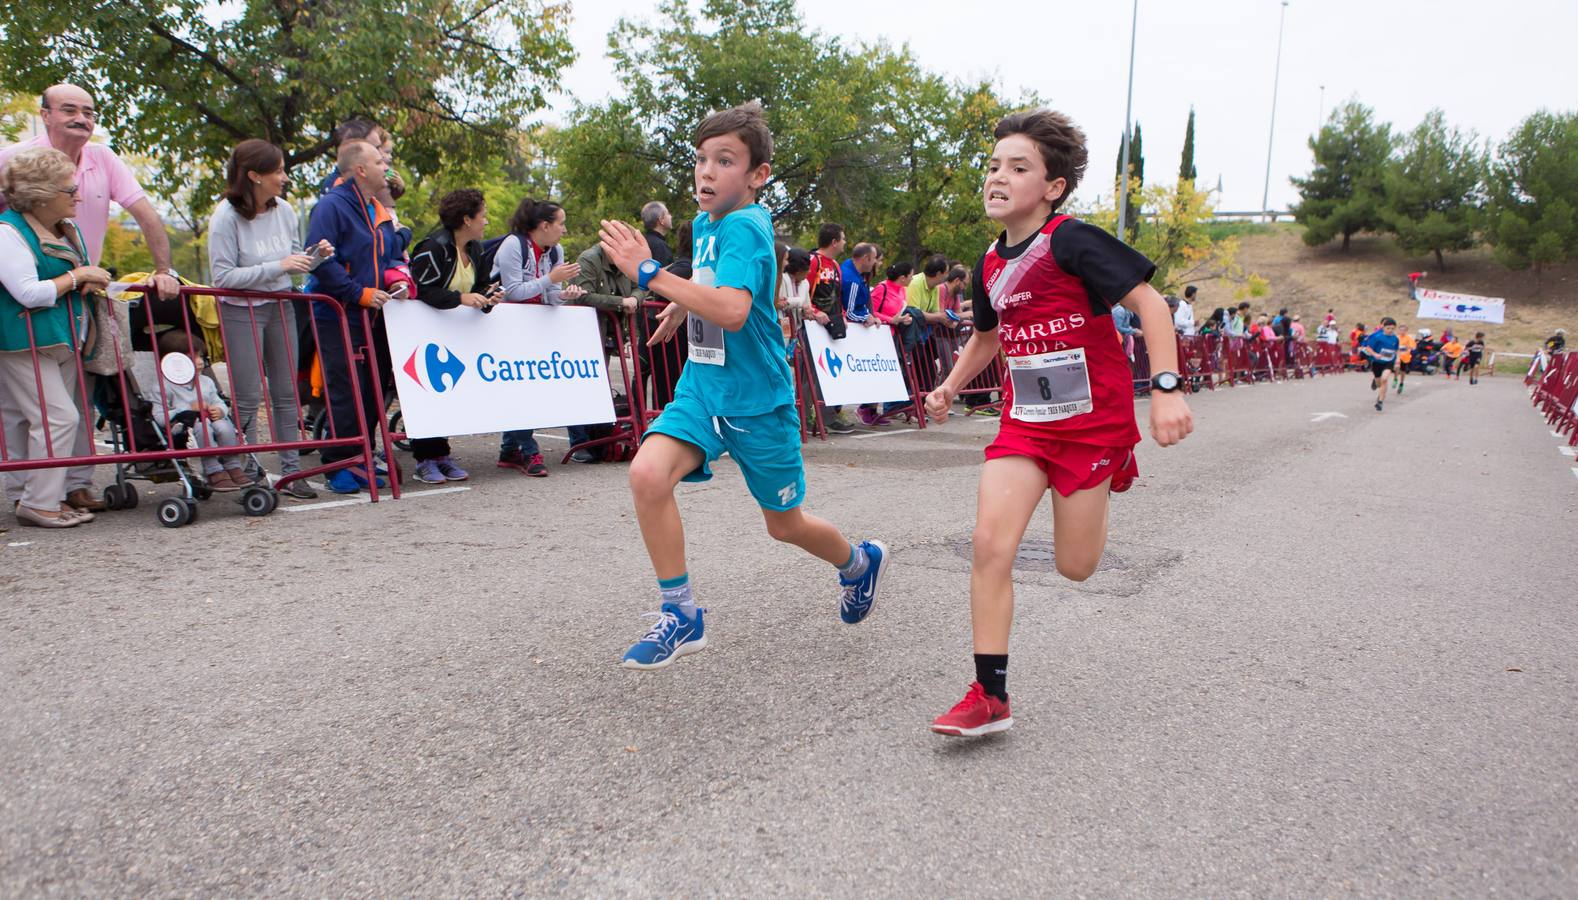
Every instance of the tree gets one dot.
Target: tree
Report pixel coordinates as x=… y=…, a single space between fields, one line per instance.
x=1137 y=175
x=1433 y=189
x=862 y=135
x=1530 y=217
x=1177 y=238
x=1345 y=192
x=1186 y=170
x=182 y=81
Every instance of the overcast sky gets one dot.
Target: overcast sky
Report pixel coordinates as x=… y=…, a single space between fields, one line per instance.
x=1486 y=64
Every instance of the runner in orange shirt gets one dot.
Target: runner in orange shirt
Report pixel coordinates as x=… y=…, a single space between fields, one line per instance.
x=1405 y=356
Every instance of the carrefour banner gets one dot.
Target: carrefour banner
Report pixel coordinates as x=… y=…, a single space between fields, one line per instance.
x=459 y=371
x=1460 y=307
x=862 y=368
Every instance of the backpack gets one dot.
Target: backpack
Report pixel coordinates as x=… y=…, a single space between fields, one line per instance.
x=490 y=252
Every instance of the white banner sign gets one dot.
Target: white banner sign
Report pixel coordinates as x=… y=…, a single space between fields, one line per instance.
x=862 y=368
x=1460 y=307
x=459 y=371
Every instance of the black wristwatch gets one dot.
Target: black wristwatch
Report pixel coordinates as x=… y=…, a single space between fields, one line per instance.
x=1166 y=382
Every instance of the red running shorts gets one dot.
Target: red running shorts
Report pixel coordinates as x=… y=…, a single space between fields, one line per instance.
x=1069 y=466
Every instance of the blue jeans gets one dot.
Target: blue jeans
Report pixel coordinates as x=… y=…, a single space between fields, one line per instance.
x=523 y=440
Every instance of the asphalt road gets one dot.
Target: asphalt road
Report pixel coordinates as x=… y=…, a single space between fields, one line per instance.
x=1330 y=657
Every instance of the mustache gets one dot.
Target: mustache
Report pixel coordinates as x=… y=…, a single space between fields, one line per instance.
x=79 y=127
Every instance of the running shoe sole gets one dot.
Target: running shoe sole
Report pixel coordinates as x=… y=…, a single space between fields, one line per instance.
x=977 y=731
x=684 y=649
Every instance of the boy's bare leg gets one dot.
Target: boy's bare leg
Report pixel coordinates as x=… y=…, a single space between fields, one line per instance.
x=658 y=467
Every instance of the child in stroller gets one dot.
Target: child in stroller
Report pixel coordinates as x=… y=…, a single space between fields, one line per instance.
x=197 y=407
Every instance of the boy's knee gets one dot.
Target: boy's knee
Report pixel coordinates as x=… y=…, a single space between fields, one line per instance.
x=990 y=550
x=1076 y=569
x=784 y=528
x=649 y=482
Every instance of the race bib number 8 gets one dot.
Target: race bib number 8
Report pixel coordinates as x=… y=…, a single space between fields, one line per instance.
x=706 y=339
x=1050 y=387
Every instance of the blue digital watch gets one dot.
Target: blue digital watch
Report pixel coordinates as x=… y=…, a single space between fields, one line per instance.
x=645 y=273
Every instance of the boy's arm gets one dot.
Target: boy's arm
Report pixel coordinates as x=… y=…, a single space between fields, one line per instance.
x=1171 y=420
x=729 y=308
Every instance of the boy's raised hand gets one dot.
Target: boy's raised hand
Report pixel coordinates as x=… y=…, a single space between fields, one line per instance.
x=669 y=321
x=623 y=247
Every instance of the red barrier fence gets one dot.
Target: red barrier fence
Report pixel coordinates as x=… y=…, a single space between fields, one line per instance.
x=1556 y=395
x=111 y=380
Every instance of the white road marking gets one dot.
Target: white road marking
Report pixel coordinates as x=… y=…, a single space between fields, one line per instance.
x=357 y=501
x=30 y=543
x=1321 y=417
x=1567 y=451
x=1575 y=471
x=901 y=430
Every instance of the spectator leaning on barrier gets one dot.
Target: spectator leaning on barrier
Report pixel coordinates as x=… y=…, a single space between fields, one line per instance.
x=794 y=291
x=530 y=267
x=447 y=268
x=363 y=236
x=1296 y=330
x=889 y=298
x=1183 y=317
x=854 y=274
x=69 y=114
x=657 y=222
x=44 y=277
x=254 y=244
x=826 y=277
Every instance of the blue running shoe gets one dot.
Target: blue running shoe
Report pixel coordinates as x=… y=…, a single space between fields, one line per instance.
x=857 y=597
x=342 y=482
x=673 y=636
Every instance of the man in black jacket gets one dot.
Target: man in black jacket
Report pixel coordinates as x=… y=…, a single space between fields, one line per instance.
x=658 y=222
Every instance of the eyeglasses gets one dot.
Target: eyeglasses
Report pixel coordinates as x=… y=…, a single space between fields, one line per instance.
x=69 y=190
x=71 y=111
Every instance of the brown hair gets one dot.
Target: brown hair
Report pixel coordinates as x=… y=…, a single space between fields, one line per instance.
x=744 y=122
x=251 y=155
x=455 y=206
x=1062 y=144
x=175 y=341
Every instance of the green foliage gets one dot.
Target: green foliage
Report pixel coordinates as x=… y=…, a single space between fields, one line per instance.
x=1433 y=189
x=1530 y=217
x=1136 y=174
x=184 y=80
x=1344 y=193
x=1178 y=237
x=862 y=135
x=1186 y=170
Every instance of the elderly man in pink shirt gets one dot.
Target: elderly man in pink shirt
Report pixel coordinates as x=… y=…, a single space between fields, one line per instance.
x=69 y=116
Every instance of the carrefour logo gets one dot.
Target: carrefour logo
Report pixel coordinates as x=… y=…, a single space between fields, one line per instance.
x=434 y=368
x=834 y=364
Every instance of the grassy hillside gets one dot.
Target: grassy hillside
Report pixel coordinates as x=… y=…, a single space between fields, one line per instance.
x=1371 y=281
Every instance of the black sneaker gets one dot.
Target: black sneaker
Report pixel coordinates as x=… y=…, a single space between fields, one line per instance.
x=583 y=456
x=839 y=425
x=1377 y=406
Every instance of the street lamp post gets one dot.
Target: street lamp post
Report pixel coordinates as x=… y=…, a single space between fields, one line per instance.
x=1128 y=110
x=1265 y=198
x=1320 y=121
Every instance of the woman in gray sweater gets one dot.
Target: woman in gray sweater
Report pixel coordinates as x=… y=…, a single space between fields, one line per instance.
x=254 y=244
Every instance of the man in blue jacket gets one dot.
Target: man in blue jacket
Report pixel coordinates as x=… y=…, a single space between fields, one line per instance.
x=364 y=241
x=857 y=293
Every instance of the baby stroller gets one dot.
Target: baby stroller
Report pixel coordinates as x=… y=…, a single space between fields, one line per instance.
x=145 y=434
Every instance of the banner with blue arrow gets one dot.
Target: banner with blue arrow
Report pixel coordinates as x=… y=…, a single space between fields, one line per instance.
x=1460 y=307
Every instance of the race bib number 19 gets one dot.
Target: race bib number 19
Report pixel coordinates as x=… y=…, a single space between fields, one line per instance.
x=1050 y=387
x=706 y=338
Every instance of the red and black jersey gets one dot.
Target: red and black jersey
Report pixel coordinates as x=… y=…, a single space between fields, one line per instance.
x=1052 y=293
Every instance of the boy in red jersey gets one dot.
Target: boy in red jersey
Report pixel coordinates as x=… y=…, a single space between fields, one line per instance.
x=1043 y=294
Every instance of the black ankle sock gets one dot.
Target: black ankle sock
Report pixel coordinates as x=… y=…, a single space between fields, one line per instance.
x=991 y=670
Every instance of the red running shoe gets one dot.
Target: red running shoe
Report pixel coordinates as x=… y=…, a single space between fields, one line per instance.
x=977 y=714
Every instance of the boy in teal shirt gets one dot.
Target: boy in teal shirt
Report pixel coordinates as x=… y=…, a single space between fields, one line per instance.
x=734 y=395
